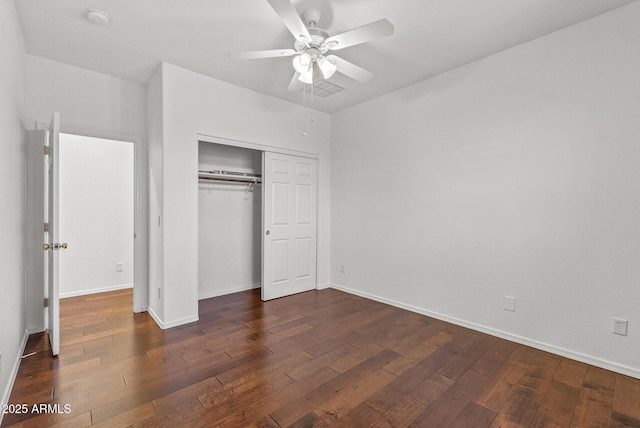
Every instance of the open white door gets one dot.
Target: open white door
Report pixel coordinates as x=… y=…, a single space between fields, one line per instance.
x=36 y=217
x=289 y=224
x=53 y=246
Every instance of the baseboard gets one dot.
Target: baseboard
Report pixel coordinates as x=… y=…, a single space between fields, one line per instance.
x=226 y=291
x=35 y=330
x=232 y=290
x=142 y=309
x=181 y=321
x=588 y=359
x=155 y=317
x=323 y=286
x=95 y=290
x=6 y=394
x=175 y=323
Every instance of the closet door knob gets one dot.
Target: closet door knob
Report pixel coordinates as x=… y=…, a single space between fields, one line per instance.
x=268 y=232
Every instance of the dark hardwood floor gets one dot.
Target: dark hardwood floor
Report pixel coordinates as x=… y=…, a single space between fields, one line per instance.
x=314 y=359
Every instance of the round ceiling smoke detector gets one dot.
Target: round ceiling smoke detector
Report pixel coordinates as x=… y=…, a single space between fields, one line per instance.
x=98 y=17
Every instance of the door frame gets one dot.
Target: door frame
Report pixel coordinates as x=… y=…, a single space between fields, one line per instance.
x=140 y=290
x=255 y=146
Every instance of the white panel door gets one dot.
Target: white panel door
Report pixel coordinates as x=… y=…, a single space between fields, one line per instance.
x=53 y=246
x=289 y=224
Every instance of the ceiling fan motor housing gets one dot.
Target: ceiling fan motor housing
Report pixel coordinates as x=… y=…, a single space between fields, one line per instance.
x=318 y=36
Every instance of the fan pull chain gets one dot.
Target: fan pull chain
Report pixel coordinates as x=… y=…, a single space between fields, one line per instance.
x=313 y=105
x=304 y=104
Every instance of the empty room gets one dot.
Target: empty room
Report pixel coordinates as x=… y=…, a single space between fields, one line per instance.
x=320 y=213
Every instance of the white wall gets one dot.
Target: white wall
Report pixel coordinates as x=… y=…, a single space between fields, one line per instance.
x=195 y=104
x=515 y=175
x=87 y=100
x=229 y=223
x=12 y=186
x=96 y=214
x=98 y=105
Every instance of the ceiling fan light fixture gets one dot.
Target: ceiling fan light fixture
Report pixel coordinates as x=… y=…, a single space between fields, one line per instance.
x=312 y=43
x=307 y=76
x=301 y=62
x=327 y=67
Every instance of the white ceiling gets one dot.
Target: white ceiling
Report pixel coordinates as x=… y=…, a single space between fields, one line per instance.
x=431 y=36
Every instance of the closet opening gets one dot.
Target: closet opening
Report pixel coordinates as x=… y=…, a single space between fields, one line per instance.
x=257 y=219
x=229 y=219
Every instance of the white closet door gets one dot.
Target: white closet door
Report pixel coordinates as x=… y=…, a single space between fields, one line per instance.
x=290 y=188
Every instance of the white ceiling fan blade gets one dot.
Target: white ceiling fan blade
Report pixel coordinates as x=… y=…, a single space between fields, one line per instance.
x=363 y=34
x=295 y=84
x=291 y=19
x=274 y=53
x=350 y=70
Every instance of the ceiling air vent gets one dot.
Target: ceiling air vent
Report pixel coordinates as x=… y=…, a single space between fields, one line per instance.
x=323 y=88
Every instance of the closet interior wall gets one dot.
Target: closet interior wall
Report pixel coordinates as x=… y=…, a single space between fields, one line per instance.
x=229 y=223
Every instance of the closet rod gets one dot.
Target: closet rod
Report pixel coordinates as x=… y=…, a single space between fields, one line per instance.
x=221 y=172
x=229 y=179
x=230 y=176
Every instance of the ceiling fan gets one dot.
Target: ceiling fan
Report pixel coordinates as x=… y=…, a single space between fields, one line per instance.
x=312 y=45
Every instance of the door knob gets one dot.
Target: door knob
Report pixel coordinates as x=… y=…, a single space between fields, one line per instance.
x=55 y=246
x=268 y=232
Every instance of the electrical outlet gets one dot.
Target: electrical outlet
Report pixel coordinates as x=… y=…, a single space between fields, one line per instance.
x=158 y=292
x=509 y=303
x=119 y=267
x=343 y=269
x=619 y=326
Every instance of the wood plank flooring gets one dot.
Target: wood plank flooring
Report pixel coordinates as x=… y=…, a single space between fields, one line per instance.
x=311 y=360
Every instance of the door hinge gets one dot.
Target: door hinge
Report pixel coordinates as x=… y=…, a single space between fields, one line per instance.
x=46 y=302
x=46 y=150
x=46 y=227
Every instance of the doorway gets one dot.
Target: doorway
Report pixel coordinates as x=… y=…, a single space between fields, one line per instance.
x=97 y=218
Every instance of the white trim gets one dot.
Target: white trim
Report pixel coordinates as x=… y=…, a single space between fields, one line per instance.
x=255 y=146
x=35 y=330
x=95 y=290
x=14 y=373
x=181 y=321
x=155 y=317
x=324 y=286
x=588 y=359
x=226 y=291
x=175 y=323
